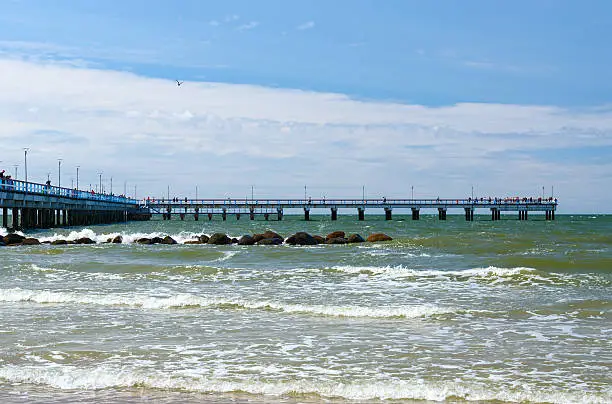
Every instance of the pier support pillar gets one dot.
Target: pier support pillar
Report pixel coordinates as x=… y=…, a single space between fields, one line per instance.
x=169 y=212
x=64 y=217
x=361 y=213
x=58 y=218
x=469 y=214
x=552 y=215
x=224 y=215
x=266 y=216
x=252 y=213
x=416 y=213
x=306 y=214
x=5 y=217
x=441 y=214
x=334 y=213
x=209 y=216
x=196 y=215
x=16 y=218
x=494 y=214
x=388 y=215
x=279 y=213
x=182 y=216
x=237 y=216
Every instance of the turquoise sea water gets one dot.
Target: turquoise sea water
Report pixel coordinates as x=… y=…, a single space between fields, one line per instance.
x=452 y=311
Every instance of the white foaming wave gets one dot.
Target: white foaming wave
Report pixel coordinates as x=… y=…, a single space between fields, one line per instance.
x=70 y=377
x=127 y=237
x=186 y=300
x=4 y=232
x=400 y=270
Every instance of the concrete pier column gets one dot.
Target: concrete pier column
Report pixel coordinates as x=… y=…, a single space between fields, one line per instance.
x=237 y=216
x=552 y=215
x=388 y=215
x=441 y=214
x=469 y=214
x=266 y=216
x=210 y=216
x=224 y=214
x=279 y=213
x=169 y=212
x=252 y=213
x=16 y=218
x=361 y=213
x=196 y=215
x=58 y=217
x=5 y=217
x=416 y=213
x=25 y=218
x=493 y=214
x=307 y=214
x=334 y=213
x=182 y=216
x=64 y=217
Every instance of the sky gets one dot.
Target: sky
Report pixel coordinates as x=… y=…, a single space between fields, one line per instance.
x=392 y=97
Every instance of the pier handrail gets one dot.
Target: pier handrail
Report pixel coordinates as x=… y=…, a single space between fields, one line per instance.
x=32 y=188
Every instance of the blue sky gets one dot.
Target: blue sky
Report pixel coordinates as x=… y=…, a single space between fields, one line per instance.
x=442 y=94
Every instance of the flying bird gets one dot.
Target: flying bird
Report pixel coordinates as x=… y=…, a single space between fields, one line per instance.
x=178 y=83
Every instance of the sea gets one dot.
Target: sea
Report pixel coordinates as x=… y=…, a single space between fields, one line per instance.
x=449 y=311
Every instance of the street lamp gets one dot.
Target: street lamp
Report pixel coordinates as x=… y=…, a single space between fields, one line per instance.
x=25 y=159
x=412 y=191
x=77 y=167
x=111 y=190
x=59 y=173
x=100 y=188
x=16 y=167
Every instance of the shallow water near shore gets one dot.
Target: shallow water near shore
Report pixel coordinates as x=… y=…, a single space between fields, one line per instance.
x=451 y=311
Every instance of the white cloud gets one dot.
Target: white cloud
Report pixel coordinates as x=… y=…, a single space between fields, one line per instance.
x=306 y=25
x=228 y=137
x=248 y=26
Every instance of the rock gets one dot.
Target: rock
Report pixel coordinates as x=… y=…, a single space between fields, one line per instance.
x=257 y=238
x=234 y=240
x=109 y=240
x=335 y=234
x=378 y=237
x=355 y=238
x=13 y=239
x=336 y=240
x=117 y=240
x=2 y=244
x=157 y=240
x=301 y=238
x=219 y=239
x=270 y=241
x=320 y=240
x=203 y=238
x=59 y=242
x=192 y=242
x=168 y=240
x=271 y=234
x=144 y=240
x=84 y=240
x=30 y=241
x=246 y=240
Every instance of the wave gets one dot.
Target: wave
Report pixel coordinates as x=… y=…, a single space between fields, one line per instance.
x=128 y=238
x=71 y=377
x=191 y=301
x=520 y=276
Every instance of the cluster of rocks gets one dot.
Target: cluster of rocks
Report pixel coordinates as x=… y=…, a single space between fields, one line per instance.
x=266 y=238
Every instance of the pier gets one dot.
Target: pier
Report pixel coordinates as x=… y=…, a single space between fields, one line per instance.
x=40 y=206
x=275 y=208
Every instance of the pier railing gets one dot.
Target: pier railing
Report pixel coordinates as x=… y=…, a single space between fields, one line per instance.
x=32 y=188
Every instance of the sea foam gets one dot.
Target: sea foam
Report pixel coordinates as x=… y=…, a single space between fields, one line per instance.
x=71 y=377
x=186 y=300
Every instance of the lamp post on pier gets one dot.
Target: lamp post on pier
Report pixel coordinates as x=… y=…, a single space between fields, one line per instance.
x=412 y=191
x=100 y=188
x=59 y=173
x=16 y=167
x=77 y=184
x=25 y=161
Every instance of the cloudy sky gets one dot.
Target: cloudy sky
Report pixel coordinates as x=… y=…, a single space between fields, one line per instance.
x=441 y=96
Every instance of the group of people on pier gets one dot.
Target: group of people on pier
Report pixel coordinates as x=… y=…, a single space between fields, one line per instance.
x=513 y=199
x=5 y=179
